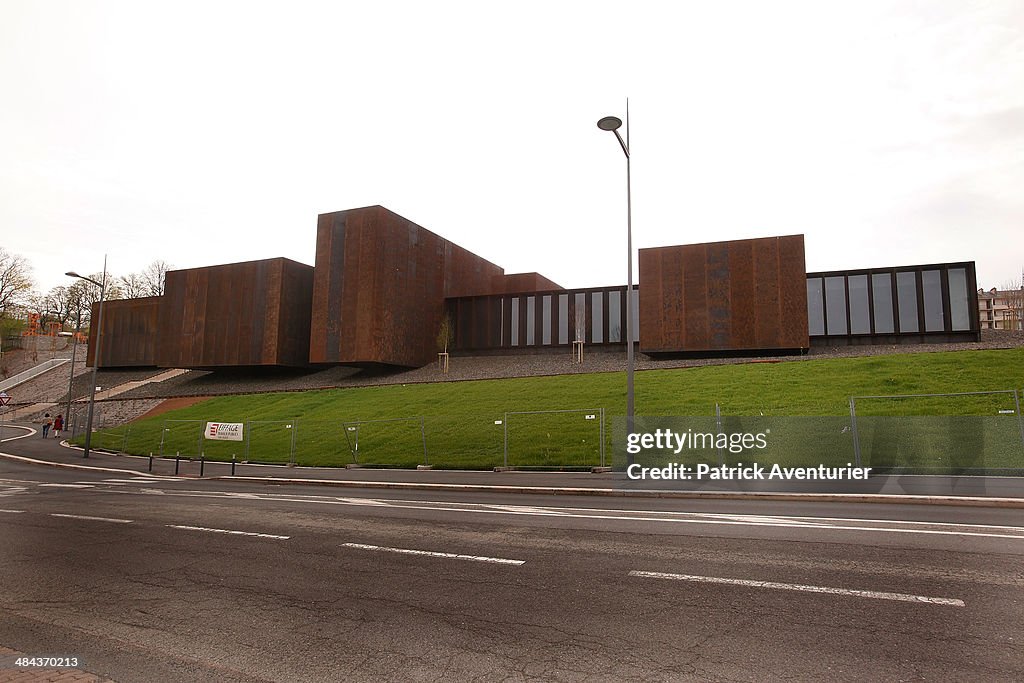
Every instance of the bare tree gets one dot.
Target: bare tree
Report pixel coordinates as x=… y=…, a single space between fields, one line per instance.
x=134 y=285
x=153 y=277
x=1013 y=292
x=15 y=280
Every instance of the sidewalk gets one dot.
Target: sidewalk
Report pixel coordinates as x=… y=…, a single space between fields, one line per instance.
x=934 y=489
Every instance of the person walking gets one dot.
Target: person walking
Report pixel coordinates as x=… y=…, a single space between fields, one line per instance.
x=47 y=423
x=58 y=425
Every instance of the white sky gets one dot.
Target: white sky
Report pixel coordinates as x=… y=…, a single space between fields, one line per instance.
x=889 y=133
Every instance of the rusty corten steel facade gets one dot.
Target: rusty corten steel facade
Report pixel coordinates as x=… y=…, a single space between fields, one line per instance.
x=255 y=313
x=515 y=283
x=129 y=333
x=740 y=295
x=380 y=285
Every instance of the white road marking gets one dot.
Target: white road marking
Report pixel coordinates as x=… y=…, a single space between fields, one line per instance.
x=428 y=553
x=903 y=597
x=13 y=512
x=93 y=519
x=69 y=486
x=700 y=518
x=228 y=531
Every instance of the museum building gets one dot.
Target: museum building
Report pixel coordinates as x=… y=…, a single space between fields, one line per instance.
x=381 y=287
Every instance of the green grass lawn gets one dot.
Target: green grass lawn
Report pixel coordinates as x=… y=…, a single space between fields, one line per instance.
x=458 y=418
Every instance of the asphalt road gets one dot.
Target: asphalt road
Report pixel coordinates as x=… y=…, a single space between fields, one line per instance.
x=147 y=579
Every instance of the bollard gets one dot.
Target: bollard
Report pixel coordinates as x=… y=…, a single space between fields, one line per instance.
x=177 y=457
x=150 y=462
x=232 y=464
x=202 y=463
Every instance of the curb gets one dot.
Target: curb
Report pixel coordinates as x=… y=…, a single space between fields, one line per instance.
x=902 y=499
x=965 y=501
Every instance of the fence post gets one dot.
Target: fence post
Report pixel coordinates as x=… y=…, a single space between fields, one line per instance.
x=163 y=433
x=124 y=442
x=248 y=437
x=853 y=428
x=602 y=437
x=505 y=425
x=295 y=427
x=718 y=429
x=423 y=435
x=1020 y=419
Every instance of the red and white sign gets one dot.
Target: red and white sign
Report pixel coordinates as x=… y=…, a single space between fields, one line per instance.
x=4 y=398
x=224 y=431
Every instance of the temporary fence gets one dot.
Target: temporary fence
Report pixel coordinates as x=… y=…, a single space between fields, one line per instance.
x=966 y=432
x=554 y=438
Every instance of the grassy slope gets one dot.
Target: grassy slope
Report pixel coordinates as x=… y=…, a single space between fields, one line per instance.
x=459 y=416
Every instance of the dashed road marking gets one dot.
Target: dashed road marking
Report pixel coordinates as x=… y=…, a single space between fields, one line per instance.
x=903 y=597
x=429 y=553
x=92 y=519
x=68 y=486
x=228 y=531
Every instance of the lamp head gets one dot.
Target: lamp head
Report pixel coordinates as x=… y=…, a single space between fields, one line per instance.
x=610 y=123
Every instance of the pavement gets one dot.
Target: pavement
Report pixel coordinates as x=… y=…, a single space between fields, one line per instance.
x=22 y=441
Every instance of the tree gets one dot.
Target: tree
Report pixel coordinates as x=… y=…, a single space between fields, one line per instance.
x=1013 y=292
x=16 y=282
x=134 y=285
x=153 y=277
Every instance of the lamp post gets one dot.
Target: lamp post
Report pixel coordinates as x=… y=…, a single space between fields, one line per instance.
x=613 y=123
x=71 y=379
x=96 y=354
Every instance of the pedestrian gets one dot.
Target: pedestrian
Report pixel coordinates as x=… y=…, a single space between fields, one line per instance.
x=47 y=423
x=58 y=425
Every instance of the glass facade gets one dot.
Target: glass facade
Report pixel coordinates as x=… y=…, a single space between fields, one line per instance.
x=931 y=286
x=546 y=320
x=959 y=299
x=923 y=300
x=881 y=300
x=596 y=317
x=906 y=299
x=835 y=305
x=531 y=320
x=563 y=318
x=614 y=317
x=815 y=306
x=860 y=311
x=515 y=321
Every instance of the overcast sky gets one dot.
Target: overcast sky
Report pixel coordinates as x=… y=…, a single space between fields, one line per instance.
x=888 y=133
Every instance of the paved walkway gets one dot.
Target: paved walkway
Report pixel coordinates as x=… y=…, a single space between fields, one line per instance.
x=981 y=490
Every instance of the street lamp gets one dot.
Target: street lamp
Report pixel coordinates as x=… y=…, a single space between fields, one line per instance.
x=96 y=354
x=613 y=123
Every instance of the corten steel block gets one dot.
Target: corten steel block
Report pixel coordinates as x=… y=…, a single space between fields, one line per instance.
x=380 y=286
x=516 y=283
x=129 y=333
x=741 y=295
x=255 y=313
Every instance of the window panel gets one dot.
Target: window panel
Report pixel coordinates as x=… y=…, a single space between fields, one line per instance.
x=531 y=320
x=906 y=296
x=614 y=317
x=546 y=323
x=597 y=317
x=815 y=307
x=881 y=287
x=835 y=305
x=931 y=284
x=959 y=299
x=563 y=318
x=860 y=313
